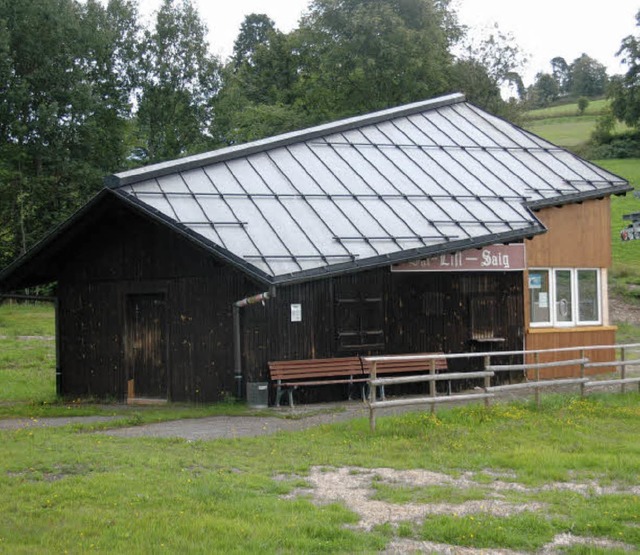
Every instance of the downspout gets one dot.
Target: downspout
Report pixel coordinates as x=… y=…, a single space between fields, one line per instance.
x=237 y=343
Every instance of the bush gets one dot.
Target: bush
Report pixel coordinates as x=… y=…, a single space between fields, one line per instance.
x=606 y=146
x=583 y=103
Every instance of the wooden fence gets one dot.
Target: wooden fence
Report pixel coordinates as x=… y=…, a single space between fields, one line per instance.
x=531 y=371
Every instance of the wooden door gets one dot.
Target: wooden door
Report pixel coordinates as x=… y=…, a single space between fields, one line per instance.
x=146 y=347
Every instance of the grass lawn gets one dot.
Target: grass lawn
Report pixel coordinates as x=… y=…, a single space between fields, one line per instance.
x=595 y=108
x=564 y=131
x=565 y=126
x=568 y=469
x=626 y=254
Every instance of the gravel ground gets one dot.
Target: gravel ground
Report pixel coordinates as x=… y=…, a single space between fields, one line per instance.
x=621 y=311
x=229 y=427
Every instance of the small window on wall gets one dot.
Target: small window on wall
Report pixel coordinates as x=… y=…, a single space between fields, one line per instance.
x=539 y=297
x=589 y=296
x=564 y=297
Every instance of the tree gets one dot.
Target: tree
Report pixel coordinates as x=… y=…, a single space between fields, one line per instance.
x=544 y=90
x=485 y=67
x=625 y=90
x=257 y=97
x=561 y=73
x=587 y=77
x=347 y=57
x=65 y=91
x=356 y=55
x=179 y=81
x=497 y=53
x=256 y=30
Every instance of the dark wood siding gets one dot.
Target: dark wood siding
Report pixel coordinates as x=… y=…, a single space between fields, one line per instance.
x=123 y=255
x=370 y=312
x=422 y=312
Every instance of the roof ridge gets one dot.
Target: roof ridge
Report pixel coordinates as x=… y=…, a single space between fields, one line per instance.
x=211 y=157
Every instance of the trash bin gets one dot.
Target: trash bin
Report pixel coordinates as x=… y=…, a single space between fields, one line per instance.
x=258 y=395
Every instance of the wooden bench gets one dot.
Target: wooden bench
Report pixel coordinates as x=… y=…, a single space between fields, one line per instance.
x=289 y=374
x=390 y=367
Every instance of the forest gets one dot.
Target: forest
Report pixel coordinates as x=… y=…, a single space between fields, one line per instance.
x=88 y=89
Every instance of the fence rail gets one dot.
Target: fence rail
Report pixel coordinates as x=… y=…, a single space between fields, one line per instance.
x=488 y=391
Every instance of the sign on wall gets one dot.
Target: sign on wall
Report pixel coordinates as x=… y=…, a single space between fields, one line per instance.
x=296 y=312
x=494 y=258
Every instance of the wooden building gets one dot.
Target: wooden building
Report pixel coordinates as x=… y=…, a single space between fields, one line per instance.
x=429 y=227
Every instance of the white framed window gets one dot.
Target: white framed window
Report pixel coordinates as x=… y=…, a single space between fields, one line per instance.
x=565 y=297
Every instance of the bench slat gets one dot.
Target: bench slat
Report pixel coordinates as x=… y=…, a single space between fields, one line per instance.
x=325 y=371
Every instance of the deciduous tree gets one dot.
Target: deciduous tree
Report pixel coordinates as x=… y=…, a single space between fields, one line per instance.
x=625 y=90
x=179 y=81
x=65 y=84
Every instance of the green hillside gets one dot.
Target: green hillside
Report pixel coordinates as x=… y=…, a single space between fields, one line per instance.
x=564 y=125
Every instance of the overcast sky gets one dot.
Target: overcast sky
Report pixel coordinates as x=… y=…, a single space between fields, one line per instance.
x=542 y=29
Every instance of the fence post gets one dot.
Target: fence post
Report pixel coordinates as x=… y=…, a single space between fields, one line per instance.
x=536 y=360
x=432 y=384
x=372 y=397
x=487 y=381
x=623 y=369
x=582 y=388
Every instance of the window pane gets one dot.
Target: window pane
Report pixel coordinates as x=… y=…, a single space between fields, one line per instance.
x=588 y=297
x=564 y=302
x=539 y=296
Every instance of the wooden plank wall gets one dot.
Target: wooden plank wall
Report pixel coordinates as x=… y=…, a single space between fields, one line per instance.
x=110 y=263
x=579 y=236
x=422 y=313
x=568 y=337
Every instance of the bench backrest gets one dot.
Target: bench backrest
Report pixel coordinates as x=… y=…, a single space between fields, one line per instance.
x=347 y=366
x=400 y=366
x=315 y=368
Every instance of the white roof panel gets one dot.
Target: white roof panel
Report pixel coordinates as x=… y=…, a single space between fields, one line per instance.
x=413 y=181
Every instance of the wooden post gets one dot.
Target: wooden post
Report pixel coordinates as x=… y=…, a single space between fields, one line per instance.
x=131 y=391
x=582 y=388
x=623 y=369
x=372 y=397
x=432 y=384
x=487 y=381
x=536 y=360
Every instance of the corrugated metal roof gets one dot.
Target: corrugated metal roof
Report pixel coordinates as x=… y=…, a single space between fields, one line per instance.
x=413 y=181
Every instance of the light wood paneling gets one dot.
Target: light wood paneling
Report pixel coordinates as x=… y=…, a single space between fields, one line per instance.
x=555 y=338
x=578 y=236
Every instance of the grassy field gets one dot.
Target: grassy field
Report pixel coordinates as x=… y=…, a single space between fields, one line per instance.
x=595 y=108
x=565 y=126
x=510 y=477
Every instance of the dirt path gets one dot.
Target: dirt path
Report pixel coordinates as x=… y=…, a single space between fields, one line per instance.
x=54 y=422
x=218 y=427
x=212 y=427
x=229 y=427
